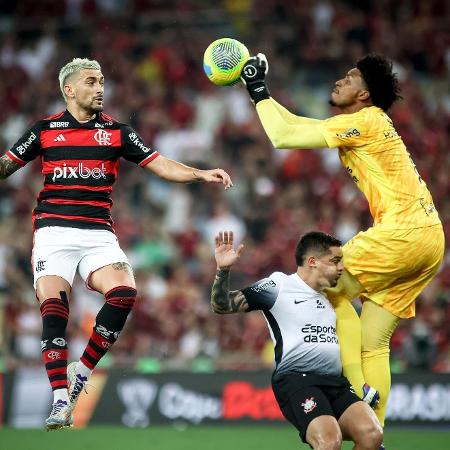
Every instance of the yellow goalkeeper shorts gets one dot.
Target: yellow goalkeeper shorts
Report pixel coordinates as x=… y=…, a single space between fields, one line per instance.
x=394 y=266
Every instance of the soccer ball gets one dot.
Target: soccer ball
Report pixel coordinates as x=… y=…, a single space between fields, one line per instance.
x=223 y=61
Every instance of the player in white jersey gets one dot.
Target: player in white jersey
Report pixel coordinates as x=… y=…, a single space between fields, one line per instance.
x=307 y=381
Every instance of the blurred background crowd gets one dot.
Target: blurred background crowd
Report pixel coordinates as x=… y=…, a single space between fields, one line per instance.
x=151 y=55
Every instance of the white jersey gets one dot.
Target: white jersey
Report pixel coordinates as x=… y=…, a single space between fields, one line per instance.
x=302 y=324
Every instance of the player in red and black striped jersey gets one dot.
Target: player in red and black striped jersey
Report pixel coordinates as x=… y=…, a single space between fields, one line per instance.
x=80 y=149
x=79 y=164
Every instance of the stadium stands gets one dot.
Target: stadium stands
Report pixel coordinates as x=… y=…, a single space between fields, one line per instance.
x=151 y=53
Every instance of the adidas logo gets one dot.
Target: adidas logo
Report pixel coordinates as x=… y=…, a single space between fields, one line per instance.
x=59 y=138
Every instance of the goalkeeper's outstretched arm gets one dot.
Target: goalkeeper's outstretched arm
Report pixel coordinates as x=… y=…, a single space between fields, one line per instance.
x=287 y=130
x=290 y=117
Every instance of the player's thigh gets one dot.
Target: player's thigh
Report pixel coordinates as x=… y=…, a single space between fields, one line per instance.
x=52 y=286
x=377 y=325
x=412 y=266
x=360 y=256
x=54 y=259
x=369 y=258
x=104 y=265
x=301 y=406
x=360 y=424
x=379 y=258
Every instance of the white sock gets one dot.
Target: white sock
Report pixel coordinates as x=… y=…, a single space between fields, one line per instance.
x=60 y=394
x=83 y=370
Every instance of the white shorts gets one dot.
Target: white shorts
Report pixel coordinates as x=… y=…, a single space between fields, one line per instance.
x=61 y=250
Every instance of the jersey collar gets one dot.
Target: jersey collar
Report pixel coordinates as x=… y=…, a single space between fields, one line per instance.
x=88 y=124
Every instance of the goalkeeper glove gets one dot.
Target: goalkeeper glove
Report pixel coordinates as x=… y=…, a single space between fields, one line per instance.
x=253 y=76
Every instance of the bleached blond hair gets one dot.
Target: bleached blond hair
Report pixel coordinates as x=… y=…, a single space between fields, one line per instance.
x=74 y=66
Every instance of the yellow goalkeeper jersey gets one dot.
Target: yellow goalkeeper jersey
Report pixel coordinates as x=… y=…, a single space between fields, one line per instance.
x=379 y=163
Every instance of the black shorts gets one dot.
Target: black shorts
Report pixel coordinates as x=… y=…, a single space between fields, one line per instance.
x=303 y=397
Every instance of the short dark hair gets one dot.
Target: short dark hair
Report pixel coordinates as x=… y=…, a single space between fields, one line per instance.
x=381 y=82
x=316 y=241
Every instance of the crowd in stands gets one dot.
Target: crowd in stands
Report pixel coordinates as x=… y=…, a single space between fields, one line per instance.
x=151 y=55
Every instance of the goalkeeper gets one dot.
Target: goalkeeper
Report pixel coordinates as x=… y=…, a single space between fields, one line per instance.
x=388 y=265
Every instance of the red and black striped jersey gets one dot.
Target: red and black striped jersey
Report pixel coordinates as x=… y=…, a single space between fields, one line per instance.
x=79 y=164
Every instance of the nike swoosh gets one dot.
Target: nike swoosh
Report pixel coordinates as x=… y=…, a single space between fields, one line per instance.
x=299 y=301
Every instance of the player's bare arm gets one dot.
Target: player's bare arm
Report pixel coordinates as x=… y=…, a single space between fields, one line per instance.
x=171 y=170
x=222 y=300
x=7 y=167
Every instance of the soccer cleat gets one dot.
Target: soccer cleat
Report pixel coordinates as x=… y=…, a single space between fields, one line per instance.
x=76 y=382
x=60 y=417
x=370 y=395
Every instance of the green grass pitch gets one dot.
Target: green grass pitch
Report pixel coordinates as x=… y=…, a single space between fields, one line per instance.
x=198 y=438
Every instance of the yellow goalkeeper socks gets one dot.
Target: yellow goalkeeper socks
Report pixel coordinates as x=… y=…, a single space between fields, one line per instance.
x=349 y=334
x=378 y=375
x=378 y=325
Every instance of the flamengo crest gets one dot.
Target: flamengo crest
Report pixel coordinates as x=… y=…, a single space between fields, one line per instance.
x=103 y=137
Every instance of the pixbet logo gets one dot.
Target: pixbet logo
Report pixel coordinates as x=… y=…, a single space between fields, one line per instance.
x=79 y=171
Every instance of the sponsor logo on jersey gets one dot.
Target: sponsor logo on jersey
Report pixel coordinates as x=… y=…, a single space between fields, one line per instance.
x=103 y=137
x=300 y=301
x=79 y=171
x=24 y=145
x=264 y=285
x=138 y=143
x=319 y=334
x=429 y=208
x=351 y=132
x=59 y=124
x=308 y=405
x=319 y=304
x=350 y=171
x=388 y=134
